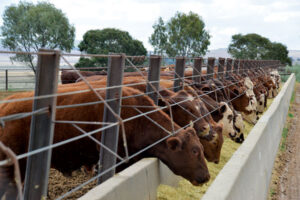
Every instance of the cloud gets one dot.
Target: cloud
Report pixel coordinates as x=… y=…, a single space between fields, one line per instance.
x=281 y=16
x=277 y=20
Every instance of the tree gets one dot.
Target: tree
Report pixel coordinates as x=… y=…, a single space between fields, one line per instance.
x=250 y=46
x=278 y=51
x=254 y=46
x=28 y=27
x=159 y=38
x=107 y=41
x=183 y=34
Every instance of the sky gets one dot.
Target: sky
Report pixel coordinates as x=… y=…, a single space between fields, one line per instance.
x=277 y=20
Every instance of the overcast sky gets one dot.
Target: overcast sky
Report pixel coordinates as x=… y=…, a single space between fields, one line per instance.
x=277 y=20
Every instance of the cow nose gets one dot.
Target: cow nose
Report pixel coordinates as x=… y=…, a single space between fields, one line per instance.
x=216 y=162
x=232 y=135
x=203 y=179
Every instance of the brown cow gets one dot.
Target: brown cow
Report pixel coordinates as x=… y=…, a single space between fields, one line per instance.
x=182 y=152
x=70 y=76
x=188 y=110
x=187 y=106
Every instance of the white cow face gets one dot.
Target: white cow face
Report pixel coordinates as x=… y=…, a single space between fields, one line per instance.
x=227 y=120
x=251 y=115
x=261 y=103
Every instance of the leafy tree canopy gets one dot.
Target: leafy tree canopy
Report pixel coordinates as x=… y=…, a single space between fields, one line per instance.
x=107 y=41
x=278 y=51
x=183 y=34
x=28 y=27
x=254 y=46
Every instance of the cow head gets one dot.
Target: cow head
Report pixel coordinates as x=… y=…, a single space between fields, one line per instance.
x=184 y=156
x=185 y=111
x=261 y=103
x=212 y=143
x=224 y=115
x=239 y=127
x=244 y=103
x=248 y=83
x=269 y=84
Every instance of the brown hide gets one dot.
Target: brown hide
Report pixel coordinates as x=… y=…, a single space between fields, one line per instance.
x=182 y=153
x=70 y=76
x=181 y=113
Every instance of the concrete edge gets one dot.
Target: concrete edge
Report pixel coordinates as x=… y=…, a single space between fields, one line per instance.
x=242 y=174
x=139 y=181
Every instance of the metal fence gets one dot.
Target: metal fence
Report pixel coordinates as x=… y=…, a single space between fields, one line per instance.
x=44 y=109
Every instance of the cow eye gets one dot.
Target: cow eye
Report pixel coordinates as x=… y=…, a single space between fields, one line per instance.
x=195 y=151
x=230 y=117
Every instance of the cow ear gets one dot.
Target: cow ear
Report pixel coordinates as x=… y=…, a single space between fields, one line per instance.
x=222 y=108
x=205 y=89
x=235 y=91
x=161 y=102
x=182 y=93
x=174 y=144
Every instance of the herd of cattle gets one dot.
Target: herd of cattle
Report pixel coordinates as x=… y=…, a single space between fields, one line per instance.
x=201 y=114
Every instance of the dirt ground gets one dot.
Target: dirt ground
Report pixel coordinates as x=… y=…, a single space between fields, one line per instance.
x=285 y=183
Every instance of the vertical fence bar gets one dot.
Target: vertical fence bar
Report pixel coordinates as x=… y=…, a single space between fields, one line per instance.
x=242 y=66
x=210 y=68
x=236 y=65
x=154 y=75
x=109 y=137
x=197 y=70
x=228 y=67
x=6 y=79
x=253 y=64
x=179 y=73
x=42 y=128
x=221 y=65
x=246 y=65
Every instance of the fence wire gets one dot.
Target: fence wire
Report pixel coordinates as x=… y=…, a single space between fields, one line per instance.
x=96 y=87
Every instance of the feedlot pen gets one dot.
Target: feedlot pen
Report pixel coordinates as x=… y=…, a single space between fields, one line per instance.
x=44 y=110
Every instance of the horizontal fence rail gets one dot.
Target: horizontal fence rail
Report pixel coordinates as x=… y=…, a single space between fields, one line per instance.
x=107 y=93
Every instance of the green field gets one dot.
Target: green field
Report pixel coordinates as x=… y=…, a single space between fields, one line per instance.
x=292 y=69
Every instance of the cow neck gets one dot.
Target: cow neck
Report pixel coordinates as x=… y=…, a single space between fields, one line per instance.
x=143 y=131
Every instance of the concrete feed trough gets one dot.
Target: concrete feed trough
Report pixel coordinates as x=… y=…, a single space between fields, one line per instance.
x=245 y=176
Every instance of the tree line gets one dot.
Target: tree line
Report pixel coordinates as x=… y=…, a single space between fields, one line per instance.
x=29 y=27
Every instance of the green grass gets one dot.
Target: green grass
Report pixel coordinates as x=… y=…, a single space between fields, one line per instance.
x=284 y=136
x=272 y=192
x=293 y=96
x=292 y=69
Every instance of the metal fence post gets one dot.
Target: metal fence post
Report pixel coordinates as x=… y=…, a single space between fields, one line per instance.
x=154 y=75
x=247 y=65
x=42 y=128
x=6 y=79
x=179 y=73
x=241 y=69
x=197 y=70
x=228 y=67
x=109 y=137
x=236 y=66
x=221 y=65
x=210 y=68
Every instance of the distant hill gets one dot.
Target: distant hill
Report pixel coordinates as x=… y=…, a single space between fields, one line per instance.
x=295 y=54
x=222 y=52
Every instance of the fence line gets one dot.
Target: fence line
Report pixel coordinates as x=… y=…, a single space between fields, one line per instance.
x=215 y=69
